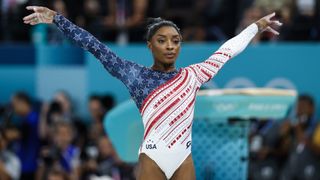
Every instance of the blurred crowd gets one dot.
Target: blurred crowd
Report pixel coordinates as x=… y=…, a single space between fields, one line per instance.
x=287 y=149
x=123 y=21
x=48 y=140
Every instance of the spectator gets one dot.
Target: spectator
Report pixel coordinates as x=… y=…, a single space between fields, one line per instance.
x=61 y=154
x=96 y=108
x=304 y=152
x=68 y=110
x=223 y=18
x=10 y=167
x=135 y=12
x=100 y=160
x=12 y=28
x=194 y=29
x=267 y=150
x=89 y=162
x=29 y=143
x=50 y=115
x=178 y=11
x=99 y=18
x=127 y=17
x=97 y=112
x=74 y=8
x=108 y=158
x=305 y=21
x=107 y=101
x=64 y=99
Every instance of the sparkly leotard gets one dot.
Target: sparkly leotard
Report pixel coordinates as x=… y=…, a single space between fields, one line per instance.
x=165 y=100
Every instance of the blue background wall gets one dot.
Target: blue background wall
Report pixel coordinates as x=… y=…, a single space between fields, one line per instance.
x=41 y=70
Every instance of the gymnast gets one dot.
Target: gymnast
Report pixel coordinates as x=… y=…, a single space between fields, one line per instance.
x=164 y=95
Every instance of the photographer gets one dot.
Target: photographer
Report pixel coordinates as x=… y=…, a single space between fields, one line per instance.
x=304 y=151
x=100 y=160
x=61 y=154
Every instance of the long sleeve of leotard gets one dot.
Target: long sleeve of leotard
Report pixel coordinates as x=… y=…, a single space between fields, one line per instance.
x=209 y=68
x=112 y=63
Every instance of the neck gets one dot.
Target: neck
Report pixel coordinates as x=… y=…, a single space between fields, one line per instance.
x=163 y=67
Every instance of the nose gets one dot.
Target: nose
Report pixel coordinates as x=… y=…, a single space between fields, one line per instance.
x=170 y=45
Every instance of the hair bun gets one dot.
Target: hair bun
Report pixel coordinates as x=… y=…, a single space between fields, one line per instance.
x=153 y=24
x=152 y=21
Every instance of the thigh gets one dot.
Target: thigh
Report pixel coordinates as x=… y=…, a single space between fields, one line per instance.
x=185 y=171
x=148 y=169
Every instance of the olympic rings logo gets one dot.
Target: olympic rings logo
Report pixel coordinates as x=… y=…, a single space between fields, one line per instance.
x=244 y=82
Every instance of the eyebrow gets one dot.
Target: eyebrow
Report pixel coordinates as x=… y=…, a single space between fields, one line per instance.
x=161 y=35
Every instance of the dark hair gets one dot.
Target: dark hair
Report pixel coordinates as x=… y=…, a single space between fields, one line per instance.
x=95 y=97
x=55 y=107
x=22 y=96
x=307 y=98
x=107 y=100
x=154 y=24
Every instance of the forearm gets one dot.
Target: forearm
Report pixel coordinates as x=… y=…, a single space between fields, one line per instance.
x=112 y=63
x=88 y=42
x=78 y=35
x=238 y=43
x=209 y=68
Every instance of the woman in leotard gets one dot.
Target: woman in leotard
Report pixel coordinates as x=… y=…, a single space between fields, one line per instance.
x=164 y=95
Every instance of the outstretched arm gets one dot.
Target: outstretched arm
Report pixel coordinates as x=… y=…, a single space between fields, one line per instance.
x=82 y=38
x=210 y=67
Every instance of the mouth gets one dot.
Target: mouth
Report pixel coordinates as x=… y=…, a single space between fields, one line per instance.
x=170 y=55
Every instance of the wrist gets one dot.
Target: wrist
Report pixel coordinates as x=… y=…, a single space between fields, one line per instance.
x=49 y=15
x=54 y=16
x=262 y=25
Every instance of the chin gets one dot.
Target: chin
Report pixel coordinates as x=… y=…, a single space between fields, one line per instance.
x=169 y=61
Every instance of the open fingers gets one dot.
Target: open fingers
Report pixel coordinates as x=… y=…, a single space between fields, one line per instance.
x=31 y=22
x=270 y=16
x=278 y=23
x=272 y=31
x=30 y=17
x=35 y=8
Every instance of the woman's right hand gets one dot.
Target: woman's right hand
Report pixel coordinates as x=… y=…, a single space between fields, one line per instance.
x=39 y=15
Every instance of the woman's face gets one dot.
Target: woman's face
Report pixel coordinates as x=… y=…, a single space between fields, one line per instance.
x=165 y=45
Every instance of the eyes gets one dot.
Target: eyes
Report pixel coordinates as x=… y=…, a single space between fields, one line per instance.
x=161 y=41
x=175 y=41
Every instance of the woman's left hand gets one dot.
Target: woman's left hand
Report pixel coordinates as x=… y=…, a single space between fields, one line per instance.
x=265 y=24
